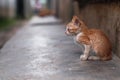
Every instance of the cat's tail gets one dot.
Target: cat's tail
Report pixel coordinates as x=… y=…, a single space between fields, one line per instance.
x=107 y=58
x=94 y=58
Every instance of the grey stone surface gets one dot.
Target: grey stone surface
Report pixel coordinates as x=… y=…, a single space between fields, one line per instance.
x=44 y=52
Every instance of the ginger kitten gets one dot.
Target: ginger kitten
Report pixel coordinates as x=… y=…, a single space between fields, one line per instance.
x=91 y=39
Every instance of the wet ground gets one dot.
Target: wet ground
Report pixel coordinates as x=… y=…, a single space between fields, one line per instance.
x=41 y=51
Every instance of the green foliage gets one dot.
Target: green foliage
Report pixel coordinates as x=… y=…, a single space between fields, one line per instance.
x=5 y=23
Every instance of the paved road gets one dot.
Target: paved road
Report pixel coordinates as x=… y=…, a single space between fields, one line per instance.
x=43 y=52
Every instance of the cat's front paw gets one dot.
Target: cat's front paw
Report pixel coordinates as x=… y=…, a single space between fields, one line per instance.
x=83 y=57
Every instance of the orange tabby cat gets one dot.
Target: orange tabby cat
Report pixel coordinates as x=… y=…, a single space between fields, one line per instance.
x=91 y=39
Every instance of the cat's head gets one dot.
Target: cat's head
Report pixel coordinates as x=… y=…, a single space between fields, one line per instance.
x=74 y=27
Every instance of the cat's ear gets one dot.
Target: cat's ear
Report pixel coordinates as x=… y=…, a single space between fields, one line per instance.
x=76 y=20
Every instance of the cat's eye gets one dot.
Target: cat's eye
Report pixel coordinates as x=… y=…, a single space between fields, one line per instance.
x=76 y=24
x=68 y=29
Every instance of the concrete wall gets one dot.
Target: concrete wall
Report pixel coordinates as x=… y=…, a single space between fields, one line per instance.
x=105 y=17
x=27 y=9
x=12 y=8
x=8 y=8
x=53 y=5
x=64 y=9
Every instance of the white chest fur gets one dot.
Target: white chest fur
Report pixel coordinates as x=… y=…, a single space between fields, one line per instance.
x=76 y=38
x=79 y=35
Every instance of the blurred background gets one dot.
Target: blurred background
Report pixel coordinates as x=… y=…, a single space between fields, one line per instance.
x=101 y=14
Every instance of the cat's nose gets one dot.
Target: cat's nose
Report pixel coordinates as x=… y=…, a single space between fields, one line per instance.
x=66 y=33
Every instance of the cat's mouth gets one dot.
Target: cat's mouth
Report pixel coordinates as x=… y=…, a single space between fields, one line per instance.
x=69 y=34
